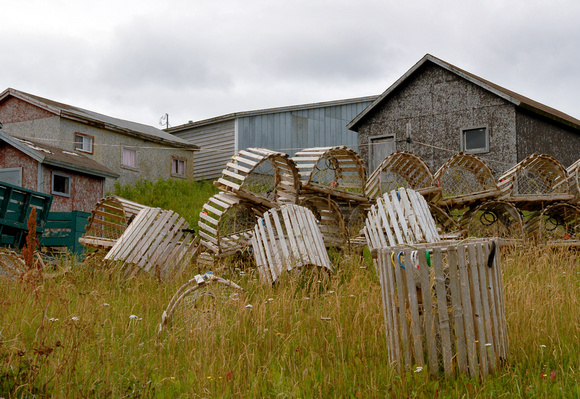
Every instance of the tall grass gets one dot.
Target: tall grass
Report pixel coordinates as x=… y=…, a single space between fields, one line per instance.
x=182 y=196
x=91 y=334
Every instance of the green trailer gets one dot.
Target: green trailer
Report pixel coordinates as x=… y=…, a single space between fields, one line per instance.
x=63 y=230
x=16 y=203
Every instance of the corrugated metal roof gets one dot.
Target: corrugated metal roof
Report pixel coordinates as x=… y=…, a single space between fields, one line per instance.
x=135 y=129
x=508 y=95
x=55 y=156
x=289 y=108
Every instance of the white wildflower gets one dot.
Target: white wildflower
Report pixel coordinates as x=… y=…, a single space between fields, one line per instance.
x=418 y=369
x=74 y=318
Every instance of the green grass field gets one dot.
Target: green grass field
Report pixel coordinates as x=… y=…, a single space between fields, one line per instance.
x=90 y=334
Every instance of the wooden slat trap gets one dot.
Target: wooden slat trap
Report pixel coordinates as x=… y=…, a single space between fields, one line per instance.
x=494 y=219
x=443 y=306
x=156 y=241
x=535 y=182
x=197 y=301
x=446 y=226
x=262 y=176
x=330 y=219
x=401 y=169
x=226 y=223
x=573 y=173
x=465 y=180
x=108 y=221
x=288 y=238
x=401 y=217
x=556 y=224
x=338 y=171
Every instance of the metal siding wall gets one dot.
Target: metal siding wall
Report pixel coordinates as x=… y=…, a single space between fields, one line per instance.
x=287 y=132
x=217 y=144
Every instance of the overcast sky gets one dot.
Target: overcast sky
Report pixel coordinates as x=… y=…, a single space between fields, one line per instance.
x=140 y=59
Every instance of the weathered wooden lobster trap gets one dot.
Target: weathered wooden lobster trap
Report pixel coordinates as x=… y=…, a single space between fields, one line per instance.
x=401 y=217
x=338 y=171
x=226 y=223
x=199 y=301
x=535 y=182
x=330 y=219
x=573 y=173
x=465 y=180
x=108 y=221
x=262 y=176
x=401 y=169
x=494 y=219
x=443 y=306
x=156 y=241
x=288 y=238
x=556 y=224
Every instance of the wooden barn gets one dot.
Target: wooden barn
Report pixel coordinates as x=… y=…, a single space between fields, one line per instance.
x=75 y=181
x=436 y=110
x=287 y=129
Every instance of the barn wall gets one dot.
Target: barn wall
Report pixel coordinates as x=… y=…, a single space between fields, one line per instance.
x=217 y=145
x=293 y=131
x=433 y=106
x=540 y=135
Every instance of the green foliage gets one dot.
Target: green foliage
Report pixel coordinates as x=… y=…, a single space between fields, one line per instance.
x=182 y=196
x=90 y=333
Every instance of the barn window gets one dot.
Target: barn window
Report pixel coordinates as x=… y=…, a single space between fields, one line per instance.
x=60 y=184
x=129 y=157
x=475 y=141
x=178 y=167
x=381 y=147
x=84 y=142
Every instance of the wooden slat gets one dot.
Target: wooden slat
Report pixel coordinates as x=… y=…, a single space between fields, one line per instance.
x=444 y=329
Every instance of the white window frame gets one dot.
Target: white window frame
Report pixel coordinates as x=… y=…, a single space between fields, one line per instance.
x=68 y=180
x=178 y=160
x=480 y=150
x=86 y=141
x=127 y=166
x=14 y=172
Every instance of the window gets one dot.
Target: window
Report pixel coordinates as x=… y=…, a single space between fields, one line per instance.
x=178 y=167
x=381 y=147
x=60 y=184
x=129 y=158
x=11 y=176
x=84 y=143
x=475 y=141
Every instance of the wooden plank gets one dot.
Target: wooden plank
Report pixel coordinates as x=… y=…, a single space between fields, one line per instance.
x=393 y=219
x=135 y=233
x=208 y=218
x=295 y=244
x=402 y=315
x=238 y=167
x=391 y=330
x=151 y=240
x=410 y=216
x=377 y=214
x=282 y=239
x=477 y=309
x=487 y=319
x=271 y=265
x=437 y=264
x=468 y=312
x=213 y=210
x=429 y=319
x=274 y=245
x=407 y=236
x=127 y=237
x=164 y=230
x=499 y=304
x=414 y=307
x=228 y=184
x=234 y=175
x=458 y=321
